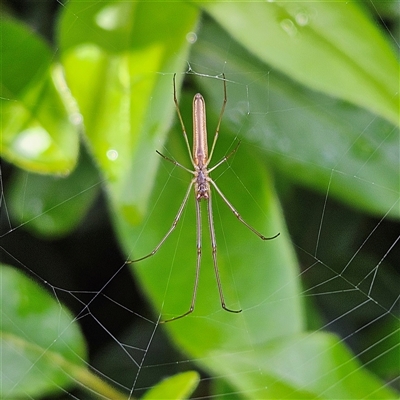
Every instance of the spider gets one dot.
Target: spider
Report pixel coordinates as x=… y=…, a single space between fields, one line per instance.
x=202 y=183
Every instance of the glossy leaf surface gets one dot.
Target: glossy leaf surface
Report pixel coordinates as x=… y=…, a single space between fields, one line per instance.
x=37 y=113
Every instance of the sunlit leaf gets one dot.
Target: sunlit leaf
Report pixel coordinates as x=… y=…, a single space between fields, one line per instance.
x=41 y=344
x=305 y=366
x=111 y=58
x=313 y=140
x=37 y=113
x=329 y=46
x=176 y=387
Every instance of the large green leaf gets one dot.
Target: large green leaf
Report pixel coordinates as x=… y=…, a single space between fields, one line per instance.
x=264 y=352
x=329 y=46
x=324 y=144
x=37 y=113
x=42 y=348
x=41 y=344
x=310 y=365
x=111 y=52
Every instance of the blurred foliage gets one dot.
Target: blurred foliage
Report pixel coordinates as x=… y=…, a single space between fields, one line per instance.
x=313 y=96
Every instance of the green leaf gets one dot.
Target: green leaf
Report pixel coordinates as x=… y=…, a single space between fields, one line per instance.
x=305 y=366
x=42 y=348
x=332 y=47
x=326 y=145
x=40 y=341
x=268 y=339
x=111 y=58
x=36 y=110
x=179 y=386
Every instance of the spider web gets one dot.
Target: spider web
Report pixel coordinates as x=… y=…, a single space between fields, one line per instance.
x=353 y=287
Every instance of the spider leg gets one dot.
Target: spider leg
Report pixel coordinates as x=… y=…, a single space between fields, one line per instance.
x=173 y=226
x=238 y=216
x=198 y=263
x=214 y=255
